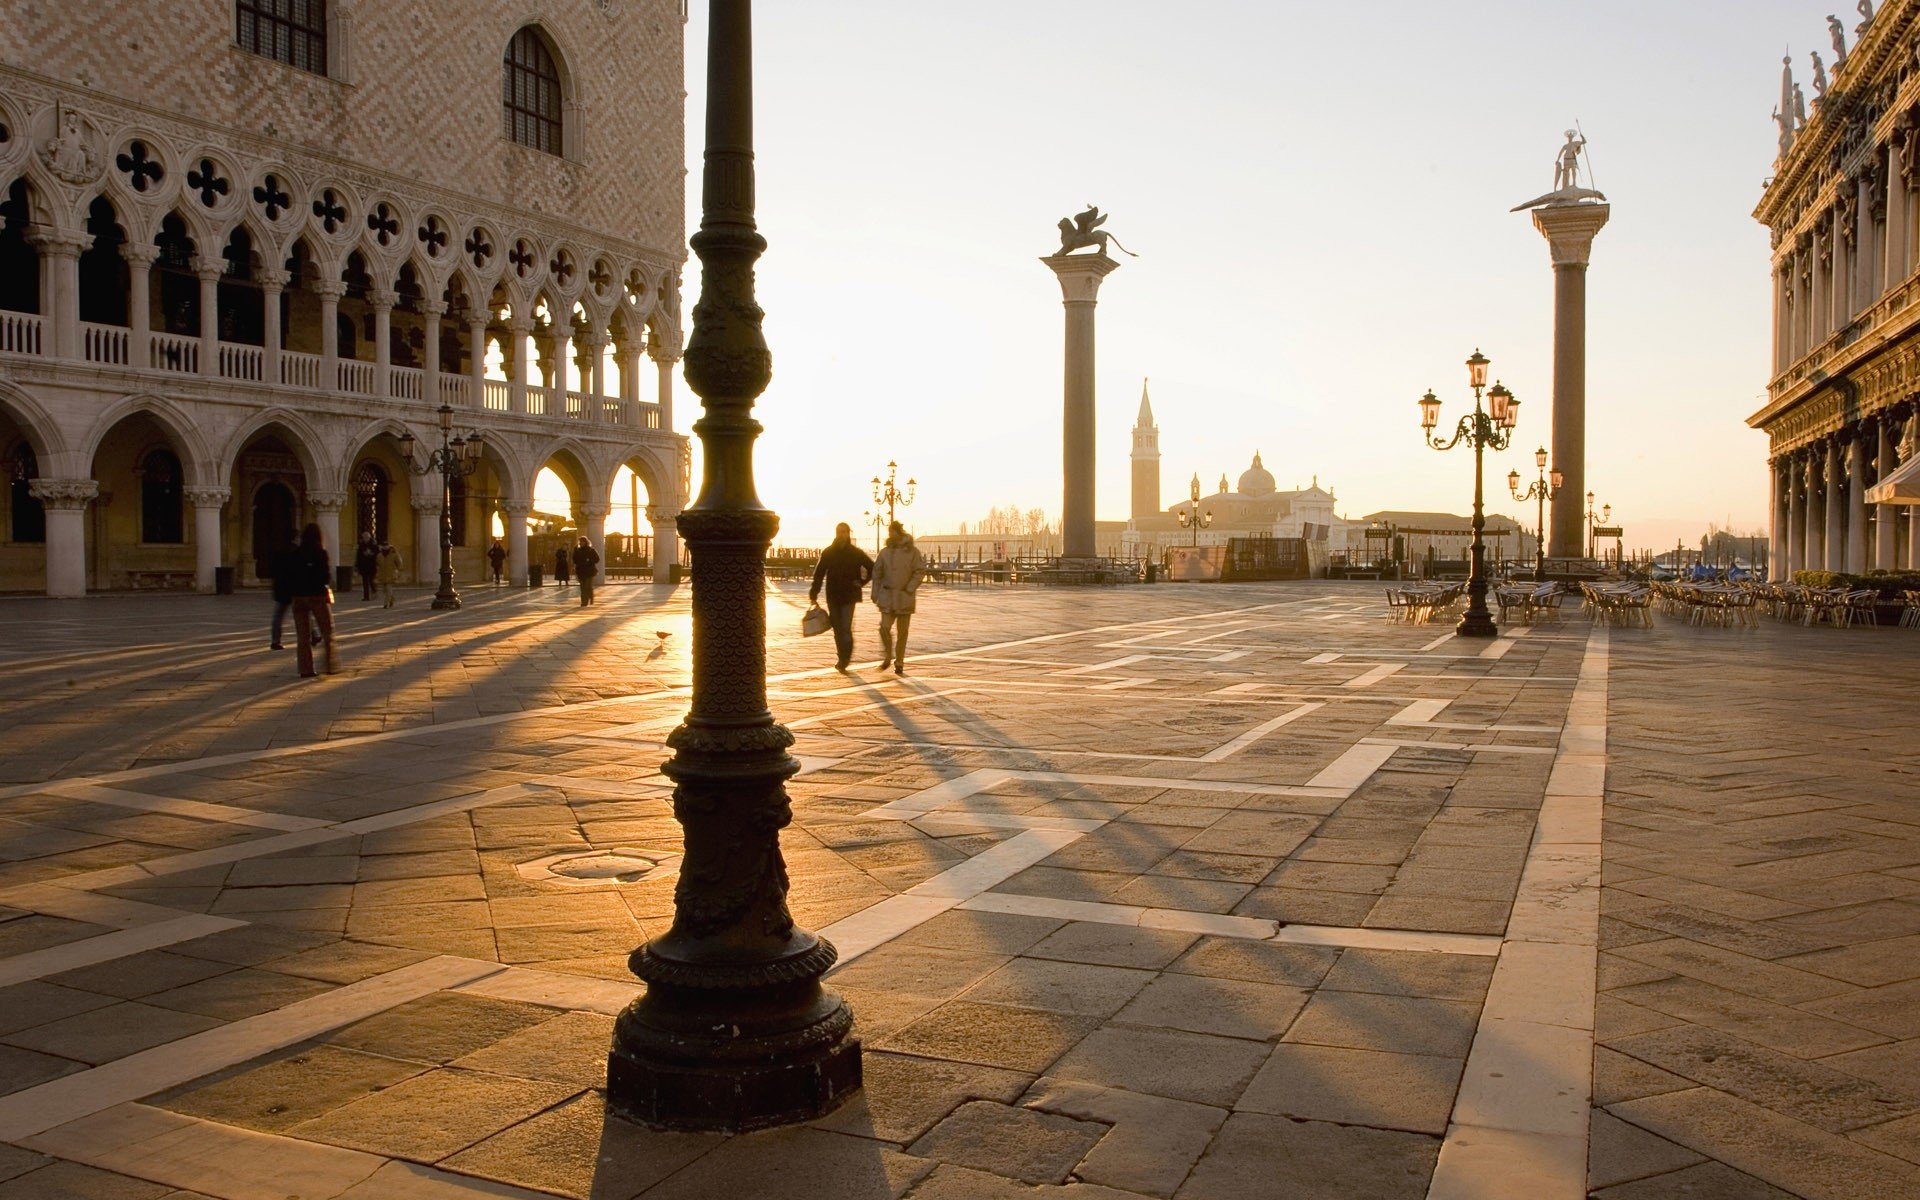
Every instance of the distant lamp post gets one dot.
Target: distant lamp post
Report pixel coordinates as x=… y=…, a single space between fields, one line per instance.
x=457 y=458
x=1488 y=427
x=1540 y=490
x=1193 y=518
x=879 y=522
x=1594 y=520
x=886 y=492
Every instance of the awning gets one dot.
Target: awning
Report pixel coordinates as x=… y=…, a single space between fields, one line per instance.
x=1901 y=487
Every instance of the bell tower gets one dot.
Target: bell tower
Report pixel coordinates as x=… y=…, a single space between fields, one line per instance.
x=1146 y=460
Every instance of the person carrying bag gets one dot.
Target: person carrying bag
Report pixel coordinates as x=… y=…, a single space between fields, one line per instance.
x=897 y=574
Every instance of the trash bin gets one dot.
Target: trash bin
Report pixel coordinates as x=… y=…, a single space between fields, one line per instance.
x=536 y=576
x=343 y=578
x=223 y=581
x=1153 y=572
x=676 y=572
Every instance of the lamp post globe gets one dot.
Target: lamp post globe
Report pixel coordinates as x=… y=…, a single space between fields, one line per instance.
x=1541 y=490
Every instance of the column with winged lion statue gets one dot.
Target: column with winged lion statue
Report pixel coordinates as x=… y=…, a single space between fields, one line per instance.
x=1080 y=275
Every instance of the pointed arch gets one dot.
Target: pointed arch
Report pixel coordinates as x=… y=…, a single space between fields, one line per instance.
x=37 y=426
x=290 y=428
x=179 y=427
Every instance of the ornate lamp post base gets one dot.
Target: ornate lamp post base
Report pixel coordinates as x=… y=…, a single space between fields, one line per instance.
x=1477 y=624
x=444 y=600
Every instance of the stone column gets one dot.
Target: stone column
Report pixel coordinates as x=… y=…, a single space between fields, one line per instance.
x=1821 y=261
x=1797 y=524
x=664 y=358
x=209 y=269
x=207 y=503
x=515 y=512
x=596 y=381
x=1832 y=542
x=1080 y=276
x=1857 y=501
x=591 y=519
x=432 y=311
x=140 y=258
x=477 y=358
x=1774 y=523
x=559 y=354
x=326 y=508
x=518 y=327
x=1894 y=260
x=60 y=260
x=1570 y=230
x=66 y=503
x=382 y=301
x=1865 y=253
x=426 y=528
x=1883 y=514
x=666 y=541
x=329 y=291
x=273 y=282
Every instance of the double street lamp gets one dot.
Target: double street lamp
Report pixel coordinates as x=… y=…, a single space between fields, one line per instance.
x=1192 y=518
x=1486 y=427
x=886 y=492
x=1541 y=490
x=457 y=458
x=1594 y=521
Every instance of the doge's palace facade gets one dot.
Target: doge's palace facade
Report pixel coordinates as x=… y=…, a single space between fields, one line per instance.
x=1843 y=207
x=249 y=246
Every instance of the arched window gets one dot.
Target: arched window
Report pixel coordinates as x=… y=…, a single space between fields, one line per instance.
x=289 y=31
x=531 y=92
x=26 y=516
x=19 y=262
x=371 y=489
x=160 y=515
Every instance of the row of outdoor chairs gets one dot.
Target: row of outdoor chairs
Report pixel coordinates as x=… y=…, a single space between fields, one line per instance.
x=1534 y=601
x=1619 y=605
x=1417 y=606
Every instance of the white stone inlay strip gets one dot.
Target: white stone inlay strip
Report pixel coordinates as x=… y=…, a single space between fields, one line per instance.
x=995 y=864
x=1520 y=1121
x=577 y=993
x=1420 y=712
x=1355 y=766
x=1471 y=747
x=1358 y=938
x=199 y=810
x=1322 y=659
x=38 y=964
x=880 y=923
x=1499 y=648
x=1373 y=675
x=38 y=1109
x=1220 y=753
x=1436 y=643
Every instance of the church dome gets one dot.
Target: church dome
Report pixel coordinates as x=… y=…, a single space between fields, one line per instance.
x=1256 y=480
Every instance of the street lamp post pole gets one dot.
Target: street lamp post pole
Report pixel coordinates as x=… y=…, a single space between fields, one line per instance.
x=1489 y=427
x=457 y=458
x=734 y=1030
x=886 y=492
x=1541 y=490
x=1594 y=520
x=1193 y=518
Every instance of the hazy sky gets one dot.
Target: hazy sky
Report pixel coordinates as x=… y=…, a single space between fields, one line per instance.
x=1318 y=194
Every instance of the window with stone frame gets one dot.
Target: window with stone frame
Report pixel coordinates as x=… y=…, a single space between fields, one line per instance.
x=289 y=31
x=26 y=515
x=162 y=520
x=531 y=96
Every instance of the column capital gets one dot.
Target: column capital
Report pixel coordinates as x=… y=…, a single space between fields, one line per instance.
x=662 y=351
x=139 y=254
x=327 y=502
x=275 y=278
x=329 y=289
x=1570 y=229
x=209 y=269
x=519 y=325
x=207 y=497
x=593 y=512
x=58 y=243
x=657 y=513
x=516 y=508
x=1080 y=275
x=434 y=309
x=64 y=493
x=425 y=504
x=382 y=299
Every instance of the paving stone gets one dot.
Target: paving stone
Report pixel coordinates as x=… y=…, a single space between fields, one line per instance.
x=904 y=1096
x=1019 y=1039
x=1180 y=1066
x=575 y=1149
x=1707 y=1181
x=15 y=1162
x=1113 y=945
x=1413 y=1092
x=341 y=962
x=1792 y=1030
x=1020 y=1143
x=281 y=872
x=1820 y=1095
x=1082 y=989
x=571 y=1048
x=1619 y=1153
x=1304 y=906
x=289 y=1087
x=440 y=1028
x=1400 y=1024
x=104 y=1034
x=1228 y=1007
x=1258 y=1157
x=21 y=1069
x=236 y=994
x=919 y=970
x=251 y=945
x=993 y=933
x=1257 y=962
x=1618 y=1077
x=796 y=1164
x=949 y=1182
x=71 y=1181
x=431 y=1116
x=1408 y=973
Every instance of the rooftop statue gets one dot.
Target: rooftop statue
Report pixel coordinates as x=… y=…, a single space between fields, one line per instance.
x=1799 y=108
x=1566 y=177
x=1839 y=33
x=1084 y=230
x=1866 y=17
x=1819 y=77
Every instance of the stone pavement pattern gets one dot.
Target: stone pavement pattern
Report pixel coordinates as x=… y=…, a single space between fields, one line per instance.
x=1173 y=892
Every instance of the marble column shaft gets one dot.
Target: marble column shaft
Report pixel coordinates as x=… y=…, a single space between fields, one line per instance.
x=1080 y=276
x=1570 y=230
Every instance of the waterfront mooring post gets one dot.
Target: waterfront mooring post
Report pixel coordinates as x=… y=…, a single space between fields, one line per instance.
x=734 y=1031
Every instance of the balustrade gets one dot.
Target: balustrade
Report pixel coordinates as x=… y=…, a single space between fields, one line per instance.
x=103 y=343
x=407 y=383
x=299 y=370
x=456 y=390
x=20 y=333
x=171 y=352
x=537 y=400
x=579 y=405
x=242 y=362
x=499 y=395
x=356 y=376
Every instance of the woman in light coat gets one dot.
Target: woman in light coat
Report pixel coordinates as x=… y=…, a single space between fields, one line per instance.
x=897 y=573
x=387 y=571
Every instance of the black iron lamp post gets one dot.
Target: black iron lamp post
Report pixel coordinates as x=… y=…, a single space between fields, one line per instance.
x=878 y=522
x=886 y=492
x=1192 y=518
x=1595 y=520
x=734 y=1030
x=1541 y=490
x=1489 y=427
x=457 y=458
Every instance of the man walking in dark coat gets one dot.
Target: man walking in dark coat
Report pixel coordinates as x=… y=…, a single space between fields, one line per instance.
x=844 y=569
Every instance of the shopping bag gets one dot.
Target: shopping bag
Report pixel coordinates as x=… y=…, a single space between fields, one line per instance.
x=815 y=622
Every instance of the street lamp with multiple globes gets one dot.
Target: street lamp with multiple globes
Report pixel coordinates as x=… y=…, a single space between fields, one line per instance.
x=1192 y=518
x=887 y=493
x=1485 y=428
x=457 y=458
x=1593 y=520
x=1542 y=490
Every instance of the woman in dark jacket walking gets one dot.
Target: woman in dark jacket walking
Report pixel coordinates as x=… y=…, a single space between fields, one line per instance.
x=309 y=582
x=586 y=567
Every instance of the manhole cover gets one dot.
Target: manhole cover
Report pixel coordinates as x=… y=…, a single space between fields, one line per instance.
x=600 y=867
